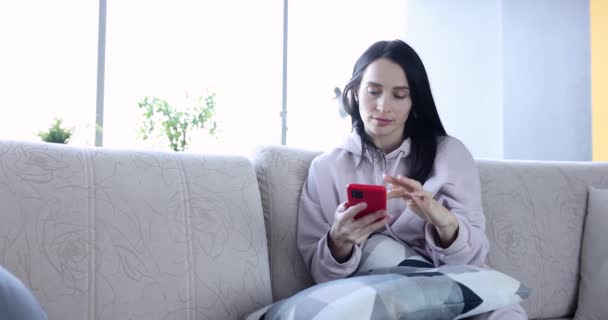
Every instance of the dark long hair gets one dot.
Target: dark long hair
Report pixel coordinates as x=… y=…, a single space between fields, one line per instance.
x=422 y=126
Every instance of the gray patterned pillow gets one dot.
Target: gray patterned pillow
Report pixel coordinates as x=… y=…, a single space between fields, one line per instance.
x=394 y=282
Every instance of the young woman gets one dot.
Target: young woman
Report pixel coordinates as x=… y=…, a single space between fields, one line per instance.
x=435 y=201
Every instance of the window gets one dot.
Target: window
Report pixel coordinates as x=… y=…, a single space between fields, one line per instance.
x=48 y=62
x=166 y=49
x=325 y=40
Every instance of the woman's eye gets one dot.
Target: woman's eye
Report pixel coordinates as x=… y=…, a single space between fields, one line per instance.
x=373 y=92
x=401 y=95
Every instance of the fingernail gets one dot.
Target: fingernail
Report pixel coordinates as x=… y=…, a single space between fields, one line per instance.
x=362 y=204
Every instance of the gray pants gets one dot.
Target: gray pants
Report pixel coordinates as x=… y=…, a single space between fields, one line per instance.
x=512 y=312
x=16 y=300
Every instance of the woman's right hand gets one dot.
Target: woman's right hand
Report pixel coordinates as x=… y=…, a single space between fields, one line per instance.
x=347 y=232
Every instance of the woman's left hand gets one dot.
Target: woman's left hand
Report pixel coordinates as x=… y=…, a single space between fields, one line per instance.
x=425 y=206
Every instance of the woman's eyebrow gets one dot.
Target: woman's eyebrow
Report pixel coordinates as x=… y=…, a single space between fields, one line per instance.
x=379 y=85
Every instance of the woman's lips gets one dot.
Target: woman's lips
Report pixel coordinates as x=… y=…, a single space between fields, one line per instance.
x=383 y=121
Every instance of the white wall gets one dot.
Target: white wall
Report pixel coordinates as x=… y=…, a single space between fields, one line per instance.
x=460 y=45
x=547 y=81
x=511 y=78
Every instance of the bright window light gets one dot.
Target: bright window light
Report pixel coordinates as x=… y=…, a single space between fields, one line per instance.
x=170 y=49
x=325 y=40
x=48 y=65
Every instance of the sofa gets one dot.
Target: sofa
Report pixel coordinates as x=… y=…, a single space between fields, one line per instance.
x=98 y=233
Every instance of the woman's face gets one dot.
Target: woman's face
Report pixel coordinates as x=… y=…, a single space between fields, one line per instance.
x=384 y=103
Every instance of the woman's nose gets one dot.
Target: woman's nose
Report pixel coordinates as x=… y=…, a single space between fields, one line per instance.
x=383 y=105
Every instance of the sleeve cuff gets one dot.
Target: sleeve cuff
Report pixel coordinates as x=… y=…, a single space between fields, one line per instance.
x=333 y=268
x=461 y=242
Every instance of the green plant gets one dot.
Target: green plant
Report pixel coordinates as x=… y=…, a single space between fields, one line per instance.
x=177 y=125
x=56 y=133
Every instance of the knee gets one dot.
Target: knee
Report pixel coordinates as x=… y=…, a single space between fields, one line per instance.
x=16 y=300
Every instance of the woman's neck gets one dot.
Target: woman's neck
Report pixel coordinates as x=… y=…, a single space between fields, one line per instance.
x=388 y=146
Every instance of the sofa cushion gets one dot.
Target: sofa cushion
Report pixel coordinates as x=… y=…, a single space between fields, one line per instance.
x=535 y=214
x=594 y=259
x=281 y=173
x=107 y=234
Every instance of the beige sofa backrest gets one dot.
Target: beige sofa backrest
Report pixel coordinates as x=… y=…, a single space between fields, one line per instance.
x=535 y=218
x=535 y=213
x=107 y=234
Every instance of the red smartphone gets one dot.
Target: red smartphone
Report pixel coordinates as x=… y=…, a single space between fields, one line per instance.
x=373 y=195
